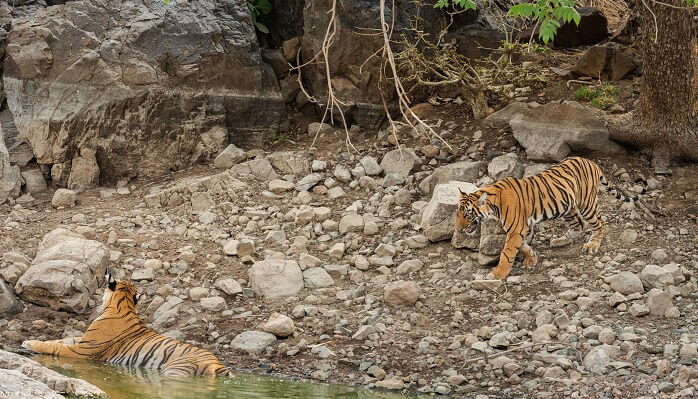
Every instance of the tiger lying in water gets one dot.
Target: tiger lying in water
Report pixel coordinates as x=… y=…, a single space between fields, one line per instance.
x=568 y=189
x=118 y=336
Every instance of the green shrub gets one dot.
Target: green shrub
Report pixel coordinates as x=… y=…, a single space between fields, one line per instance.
x=600 y=97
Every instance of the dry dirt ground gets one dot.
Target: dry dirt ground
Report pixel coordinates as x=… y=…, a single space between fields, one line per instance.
x=434 y=345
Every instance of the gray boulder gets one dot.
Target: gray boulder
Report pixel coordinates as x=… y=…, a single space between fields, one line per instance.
x=438 y=217
x=253 y=341
x=276 y=278
x=400 y=162
x=552 y=131
x=9 y=304
x=67 y=270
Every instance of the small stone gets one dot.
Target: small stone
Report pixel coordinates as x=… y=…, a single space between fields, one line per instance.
x=143 y=274
x=317 y=277
x=351 y=223
x=64 y=198
x=230 y=156
x=658 y=302
x=625 y=283
x=660 y=256
x=253 y=341
x=279 y=186
x=229 y=286
x=628 y=236
x=486 y=284
x=213 y=304
x=639 y=310
x=279 y=325
x=401 y=293
x=371 y=166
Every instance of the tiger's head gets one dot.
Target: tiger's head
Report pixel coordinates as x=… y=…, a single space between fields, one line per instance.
x=472 y=209
x=120 y=296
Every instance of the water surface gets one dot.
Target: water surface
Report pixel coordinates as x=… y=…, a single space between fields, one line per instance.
x=122 y=383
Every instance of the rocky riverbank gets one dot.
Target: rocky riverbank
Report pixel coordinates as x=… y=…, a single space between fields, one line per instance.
x=331 y=266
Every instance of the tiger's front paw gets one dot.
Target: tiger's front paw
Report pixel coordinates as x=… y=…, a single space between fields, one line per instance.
x=500 y=273
x=592 y=247
x=29 y=345
x=531 y=261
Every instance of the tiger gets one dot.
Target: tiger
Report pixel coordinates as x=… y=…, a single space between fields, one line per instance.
x=568 y=189
x=118 y=336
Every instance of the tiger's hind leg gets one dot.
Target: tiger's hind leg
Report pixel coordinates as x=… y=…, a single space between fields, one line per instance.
x=574 y=220
x=530 y=257
x=592 y=217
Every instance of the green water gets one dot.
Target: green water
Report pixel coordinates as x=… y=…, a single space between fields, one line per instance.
x=121 y=383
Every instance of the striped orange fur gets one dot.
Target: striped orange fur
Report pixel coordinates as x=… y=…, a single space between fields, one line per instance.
x=568 y=189
x=118 y=336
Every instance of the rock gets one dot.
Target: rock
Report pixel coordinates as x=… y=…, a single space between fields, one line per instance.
x=34 y=181
x=608 y=61
x=317 y=277
x=506 y=165
x=438 y=216
x=626 y=283
x=290 y=48
x=550 y=132
x=230 y=156
x=628 y=236
x=486 y=284
x=660 y=255
x=500 y=340
x=592 y=29
x=653 y=276
x=409 y=266
x=371 y=166
x=308 y=182
x=607 y=336
x=229 y=286
x=276 y=278
x=598 y=359
x=335 y=192
x=64 y=198
x=253 y=341
x=242 y=247
x=259 y=168
x=14 y=384
x=279 y=325
x=401 y=293
x=351 y=223
x=392 y=383
x=143 y=274
x=213 y=304
x=317 y=128
x=121 y=80
x=400 y=162
x=9 y=305
x=659 y=302
x=459 y=171
x=639 y=309
x=166 y=314
x=84 y=171
x=501 y=118
x=26 y=378
x=342 y=174
x=65 y=273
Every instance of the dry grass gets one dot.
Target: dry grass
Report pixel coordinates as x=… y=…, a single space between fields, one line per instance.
x=616 y=11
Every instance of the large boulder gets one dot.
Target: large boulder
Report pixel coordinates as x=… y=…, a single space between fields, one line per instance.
x=438 y=217
x=608 y=62
x=26 y=378
x=276 y=278
x=551 y=132
x=67 y=270
x=458 y=171
x=148 y=86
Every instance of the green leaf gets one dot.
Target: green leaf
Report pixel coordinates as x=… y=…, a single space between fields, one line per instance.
x=465 y=4
x=525 y=10
x=264 y=6
x=566 y=14
x=441 y=4
x=547 y=30
x=167 y=2
x=262 y=28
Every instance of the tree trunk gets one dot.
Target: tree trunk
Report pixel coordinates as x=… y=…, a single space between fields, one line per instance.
x=667 y=118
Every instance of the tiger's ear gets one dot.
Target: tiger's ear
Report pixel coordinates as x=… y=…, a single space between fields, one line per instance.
x=462 y=194
x=137 y=298
x=483 y=199
x=111 y=283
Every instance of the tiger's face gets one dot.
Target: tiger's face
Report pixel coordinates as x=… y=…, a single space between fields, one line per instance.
x=120 y=295
x=472 y=208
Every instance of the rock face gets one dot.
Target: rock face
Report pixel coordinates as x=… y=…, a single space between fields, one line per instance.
x=65 y=273
x=438 y=217
x=551 y=132
x=10 y=179
x=276 y=278
x=108 y=71
x=25 y=378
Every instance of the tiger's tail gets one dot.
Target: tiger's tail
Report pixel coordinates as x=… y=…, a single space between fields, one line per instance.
x=621 y=195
